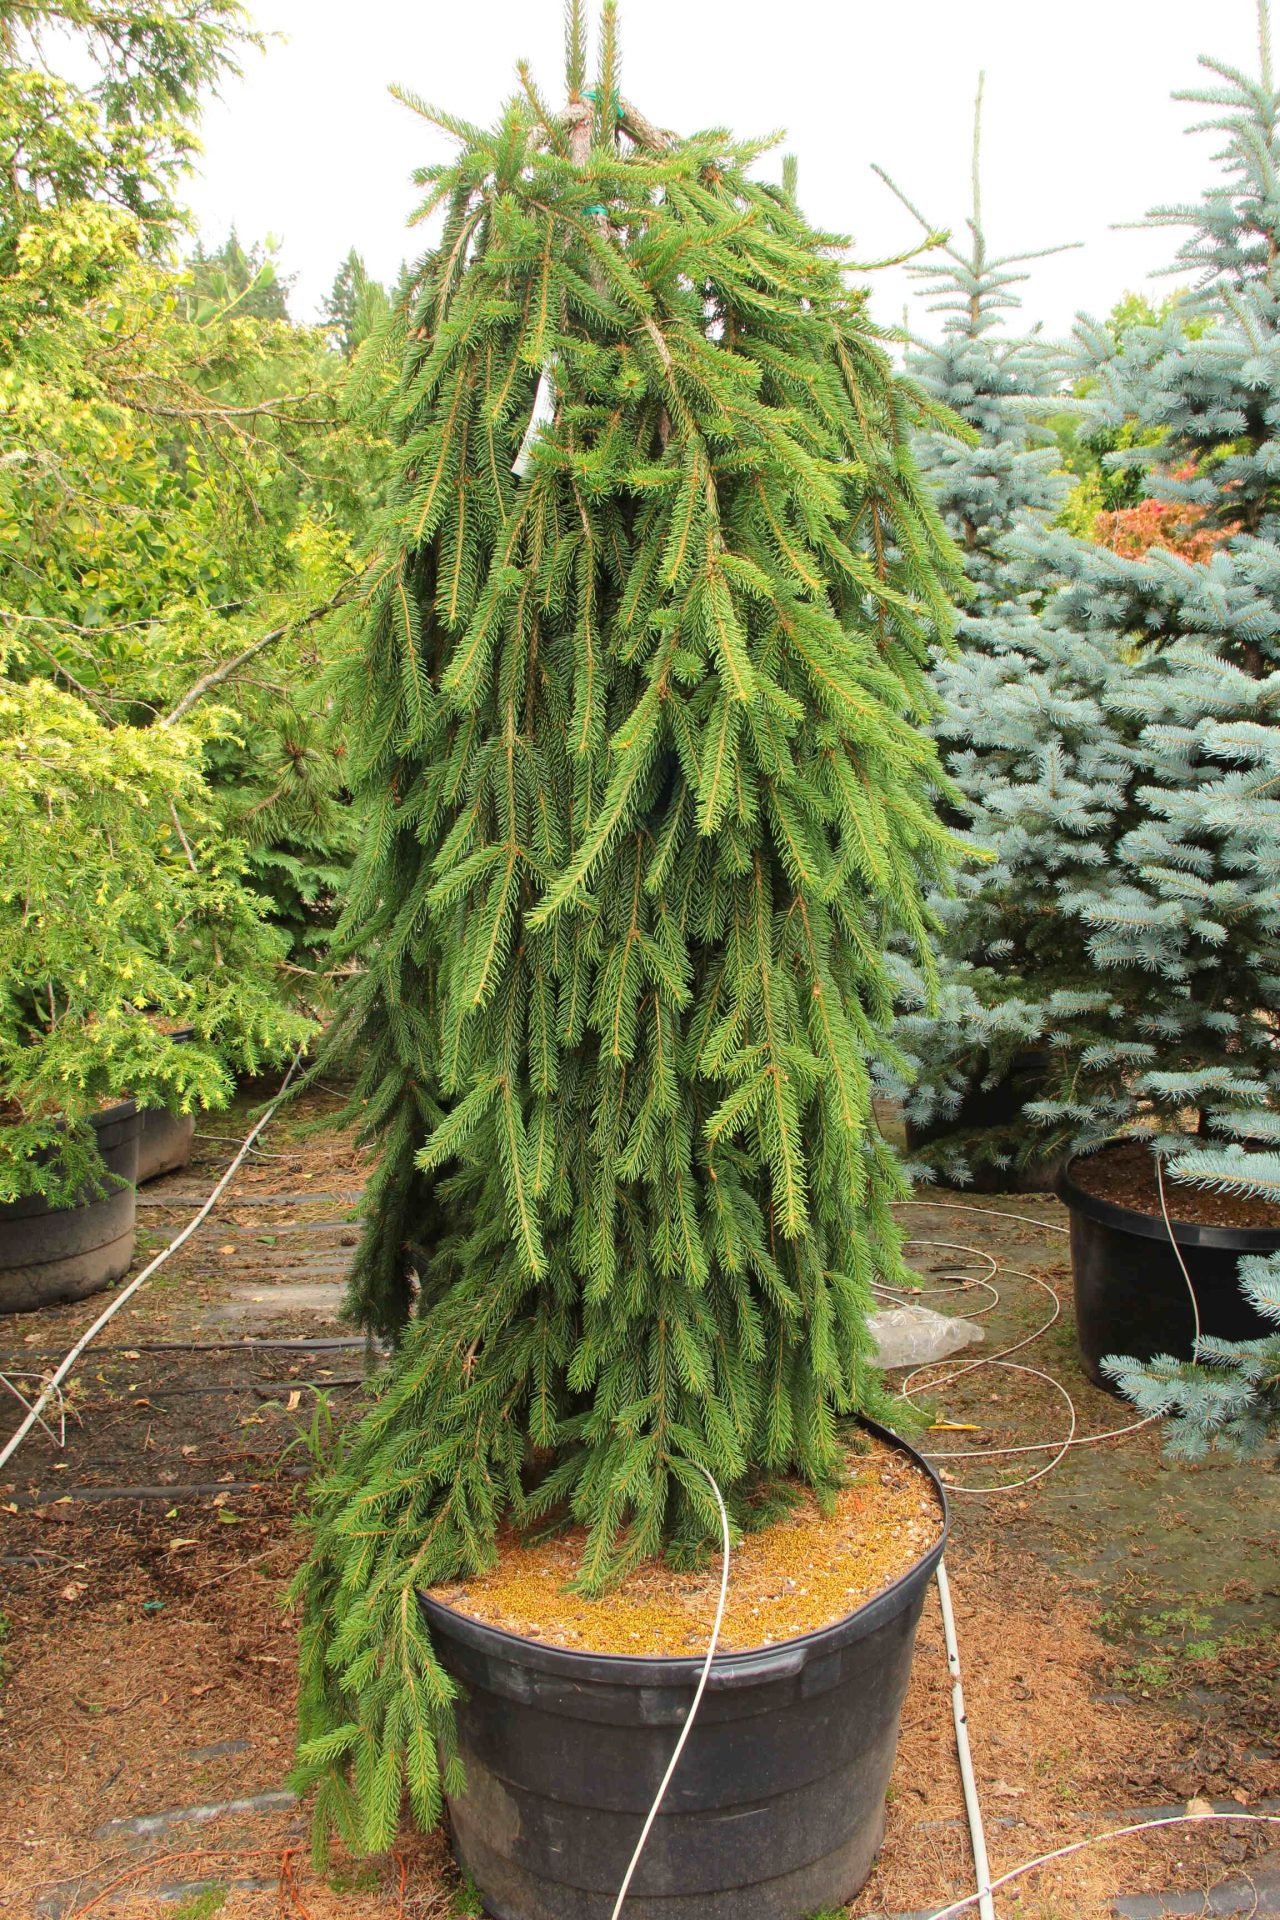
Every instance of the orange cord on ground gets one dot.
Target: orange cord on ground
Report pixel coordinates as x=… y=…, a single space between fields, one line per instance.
x=290 y=1899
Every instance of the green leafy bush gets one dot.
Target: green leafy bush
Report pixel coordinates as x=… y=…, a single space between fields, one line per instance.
x=123 y=911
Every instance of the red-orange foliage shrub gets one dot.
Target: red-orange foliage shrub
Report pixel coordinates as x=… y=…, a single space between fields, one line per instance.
x=1179 y=526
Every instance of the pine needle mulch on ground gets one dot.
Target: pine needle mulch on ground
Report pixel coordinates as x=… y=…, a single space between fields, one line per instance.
x=149 y=1668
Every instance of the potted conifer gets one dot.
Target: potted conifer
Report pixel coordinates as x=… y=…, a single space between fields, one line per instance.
x=166 y=1135
x=1116 y=745
x=122 y=911
x=639 y=733
x=1225 y=1393
x=1182 y=923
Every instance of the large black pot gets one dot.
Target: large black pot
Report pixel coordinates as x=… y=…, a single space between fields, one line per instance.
x=1131 y=1294
x=774 y=1812
x=48 y=1253
x=166 y=1139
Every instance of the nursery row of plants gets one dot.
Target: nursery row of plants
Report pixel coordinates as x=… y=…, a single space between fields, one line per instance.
x=185 y=479
x=628 y=709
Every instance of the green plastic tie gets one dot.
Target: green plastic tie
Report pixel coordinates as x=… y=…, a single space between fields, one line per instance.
x=615 y=100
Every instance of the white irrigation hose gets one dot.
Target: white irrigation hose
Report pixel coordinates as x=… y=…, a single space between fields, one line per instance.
x=982 y=1899
x=1059 y=1448
x=685 y=1730
x=1095 y=1839
x=60 y=1439
x=108 y=1313
x=995 y=1213
x=1177 y=1254
x=990 y=1359
x=949 y=1281
x=1042 y=1446
x=977 y=1833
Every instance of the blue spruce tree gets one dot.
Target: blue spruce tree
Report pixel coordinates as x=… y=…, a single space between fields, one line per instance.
x=998 y=489
x=1002 y=385
x=1198 y=902
x=1121 y=753
x=1183 y=920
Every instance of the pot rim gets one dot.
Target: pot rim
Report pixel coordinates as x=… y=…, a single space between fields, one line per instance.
x=1151 y=1226
x=108 y=1116
x=778 y=1660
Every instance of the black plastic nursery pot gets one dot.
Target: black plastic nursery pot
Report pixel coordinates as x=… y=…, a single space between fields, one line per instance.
x=1131 y=1293
x=775 y=1811
x=48 y=1253
x=166 y=1139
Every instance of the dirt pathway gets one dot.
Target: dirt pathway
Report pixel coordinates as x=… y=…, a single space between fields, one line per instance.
x=1119 y=1619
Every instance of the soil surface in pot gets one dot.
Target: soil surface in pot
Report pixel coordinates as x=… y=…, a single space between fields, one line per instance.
x=802 y=1572
x=1126 y=1176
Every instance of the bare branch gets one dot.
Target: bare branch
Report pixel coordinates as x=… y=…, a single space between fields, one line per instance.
x=643 y=131
x=227 y=669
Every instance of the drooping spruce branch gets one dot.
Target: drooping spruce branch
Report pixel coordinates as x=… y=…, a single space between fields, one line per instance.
x=642 y=737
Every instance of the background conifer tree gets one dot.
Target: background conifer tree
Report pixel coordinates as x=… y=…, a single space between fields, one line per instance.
x=642 y=752
x=998 y=490
x=233 y=278
x=1004 y=386
x=1122 y=752
x=150 y=516
x=356 y=304
x=1168 y=902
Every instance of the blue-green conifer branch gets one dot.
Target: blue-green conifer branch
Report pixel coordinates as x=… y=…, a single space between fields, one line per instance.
x=1116 y=743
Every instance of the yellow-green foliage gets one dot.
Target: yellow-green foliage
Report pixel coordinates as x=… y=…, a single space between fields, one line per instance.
x=120 y=898
x=176 y=480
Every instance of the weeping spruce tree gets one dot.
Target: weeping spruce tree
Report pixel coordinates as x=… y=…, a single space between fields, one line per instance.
x=643 y=745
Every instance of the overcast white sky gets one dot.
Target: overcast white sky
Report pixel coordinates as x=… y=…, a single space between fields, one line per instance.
x=1079 y=128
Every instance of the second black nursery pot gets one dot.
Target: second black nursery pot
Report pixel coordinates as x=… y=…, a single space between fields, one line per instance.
x=167 y=1137
x=775 y=1811
x=49 y=1253
x=1131 y=1294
